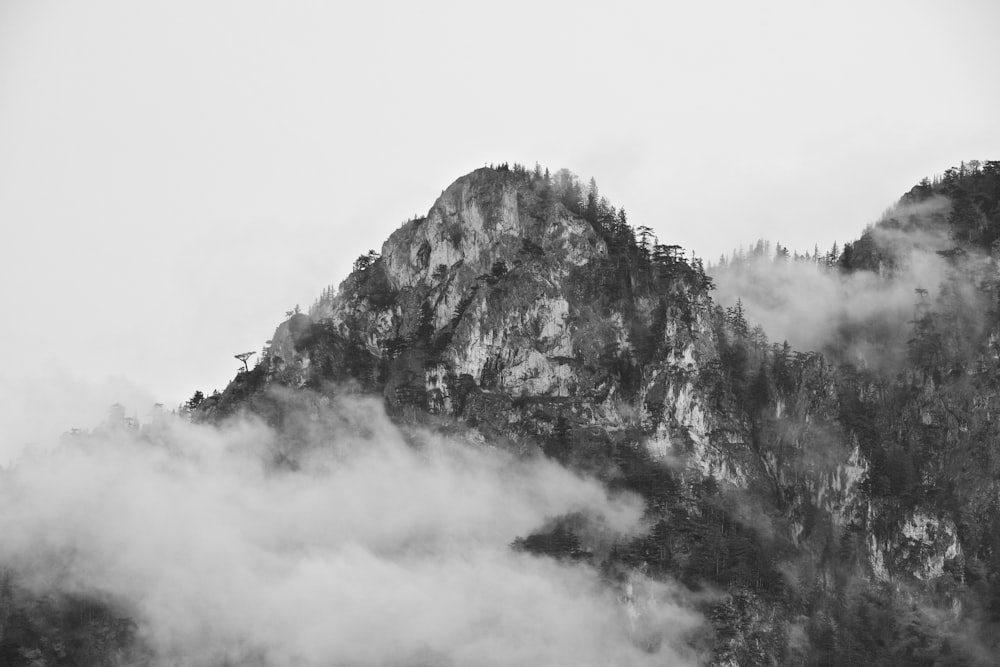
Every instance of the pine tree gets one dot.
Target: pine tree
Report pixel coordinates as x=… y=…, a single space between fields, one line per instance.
x=195 y=400
x=560 y=445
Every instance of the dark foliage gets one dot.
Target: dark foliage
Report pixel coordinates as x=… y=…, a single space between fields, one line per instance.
x=558 y=541
x=791 y=558
x=63 y=630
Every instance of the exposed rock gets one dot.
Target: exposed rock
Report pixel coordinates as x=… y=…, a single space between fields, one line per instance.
x=540 y=323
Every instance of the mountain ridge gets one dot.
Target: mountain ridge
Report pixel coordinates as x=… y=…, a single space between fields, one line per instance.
x=528 y=422
x=536 y=318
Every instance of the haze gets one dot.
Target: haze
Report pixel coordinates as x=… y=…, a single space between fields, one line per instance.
x=174 y=176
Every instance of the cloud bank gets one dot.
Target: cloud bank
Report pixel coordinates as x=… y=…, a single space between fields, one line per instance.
x=866 y=314
x=381 y=548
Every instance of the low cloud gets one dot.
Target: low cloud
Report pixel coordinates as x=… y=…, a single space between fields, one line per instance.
x=381 y=548
x=866 y=315
x=34 y=411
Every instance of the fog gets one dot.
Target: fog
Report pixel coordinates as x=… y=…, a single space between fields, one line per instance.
x=866 y=315
x=35 y=410
x=378 y=547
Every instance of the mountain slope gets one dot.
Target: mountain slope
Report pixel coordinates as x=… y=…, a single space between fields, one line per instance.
x=842 y=500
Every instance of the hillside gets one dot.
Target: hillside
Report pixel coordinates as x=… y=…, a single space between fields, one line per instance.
x=846 y=495
x=827 y=499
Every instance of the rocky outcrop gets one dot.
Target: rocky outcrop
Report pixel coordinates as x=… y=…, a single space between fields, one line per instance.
x=527 y=317
x=486 y=310
x=489 y=290
x=922 y=548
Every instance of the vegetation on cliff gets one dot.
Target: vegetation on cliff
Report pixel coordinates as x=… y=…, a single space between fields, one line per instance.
x=812 y=463
x=825 y=501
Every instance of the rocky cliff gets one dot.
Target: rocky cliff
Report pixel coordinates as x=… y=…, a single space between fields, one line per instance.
x=509 y=311
x=528 y=313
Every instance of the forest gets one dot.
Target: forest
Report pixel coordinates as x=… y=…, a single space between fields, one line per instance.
x=808 y=438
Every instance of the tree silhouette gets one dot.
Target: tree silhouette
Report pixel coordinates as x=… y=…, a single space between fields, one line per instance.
x=243 y=356
x=195 y=400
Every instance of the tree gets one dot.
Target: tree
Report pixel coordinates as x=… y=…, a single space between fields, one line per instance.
x=966 y=220
x=592 y=210
x=568 y=188
x=833 y=255
x=425 y=323
x=645 y=235
x=781 y=366
x=362 y=263
x=736 y=318
x=497 y=272
x=243 y=356
x=759 y=392
x=195 y=401
x=560 y=445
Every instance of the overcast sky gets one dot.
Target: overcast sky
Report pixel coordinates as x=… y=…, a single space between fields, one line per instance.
x=175 y=175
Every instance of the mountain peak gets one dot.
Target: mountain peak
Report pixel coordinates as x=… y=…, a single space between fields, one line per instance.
x=485 y=217
x=513 y=279
x=523 y=311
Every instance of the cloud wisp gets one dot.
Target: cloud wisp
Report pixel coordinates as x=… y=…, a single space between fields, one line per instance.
x=866 y=315
x=381 y=548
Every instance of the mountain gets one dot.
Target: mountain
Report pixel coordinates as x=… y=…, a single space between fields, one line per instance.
x=510 y=308
x=843 y=499
x=812 y=439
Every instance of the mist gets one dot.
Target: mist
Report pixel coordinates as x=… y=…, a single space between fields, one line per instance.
x=377 y=547
x=866 y=315
x=35 y=410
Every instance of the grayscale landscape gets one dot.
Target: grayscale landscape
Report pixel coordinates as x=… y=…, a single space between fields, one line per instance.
x=439 y=334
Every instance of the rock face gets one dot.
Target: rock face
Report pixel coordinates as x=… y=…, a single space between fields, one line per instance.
x=488 y=309
x=534 y=317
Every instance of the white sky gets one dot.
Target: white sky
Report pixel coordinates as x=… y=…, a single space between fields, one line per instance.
x=175 y=175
